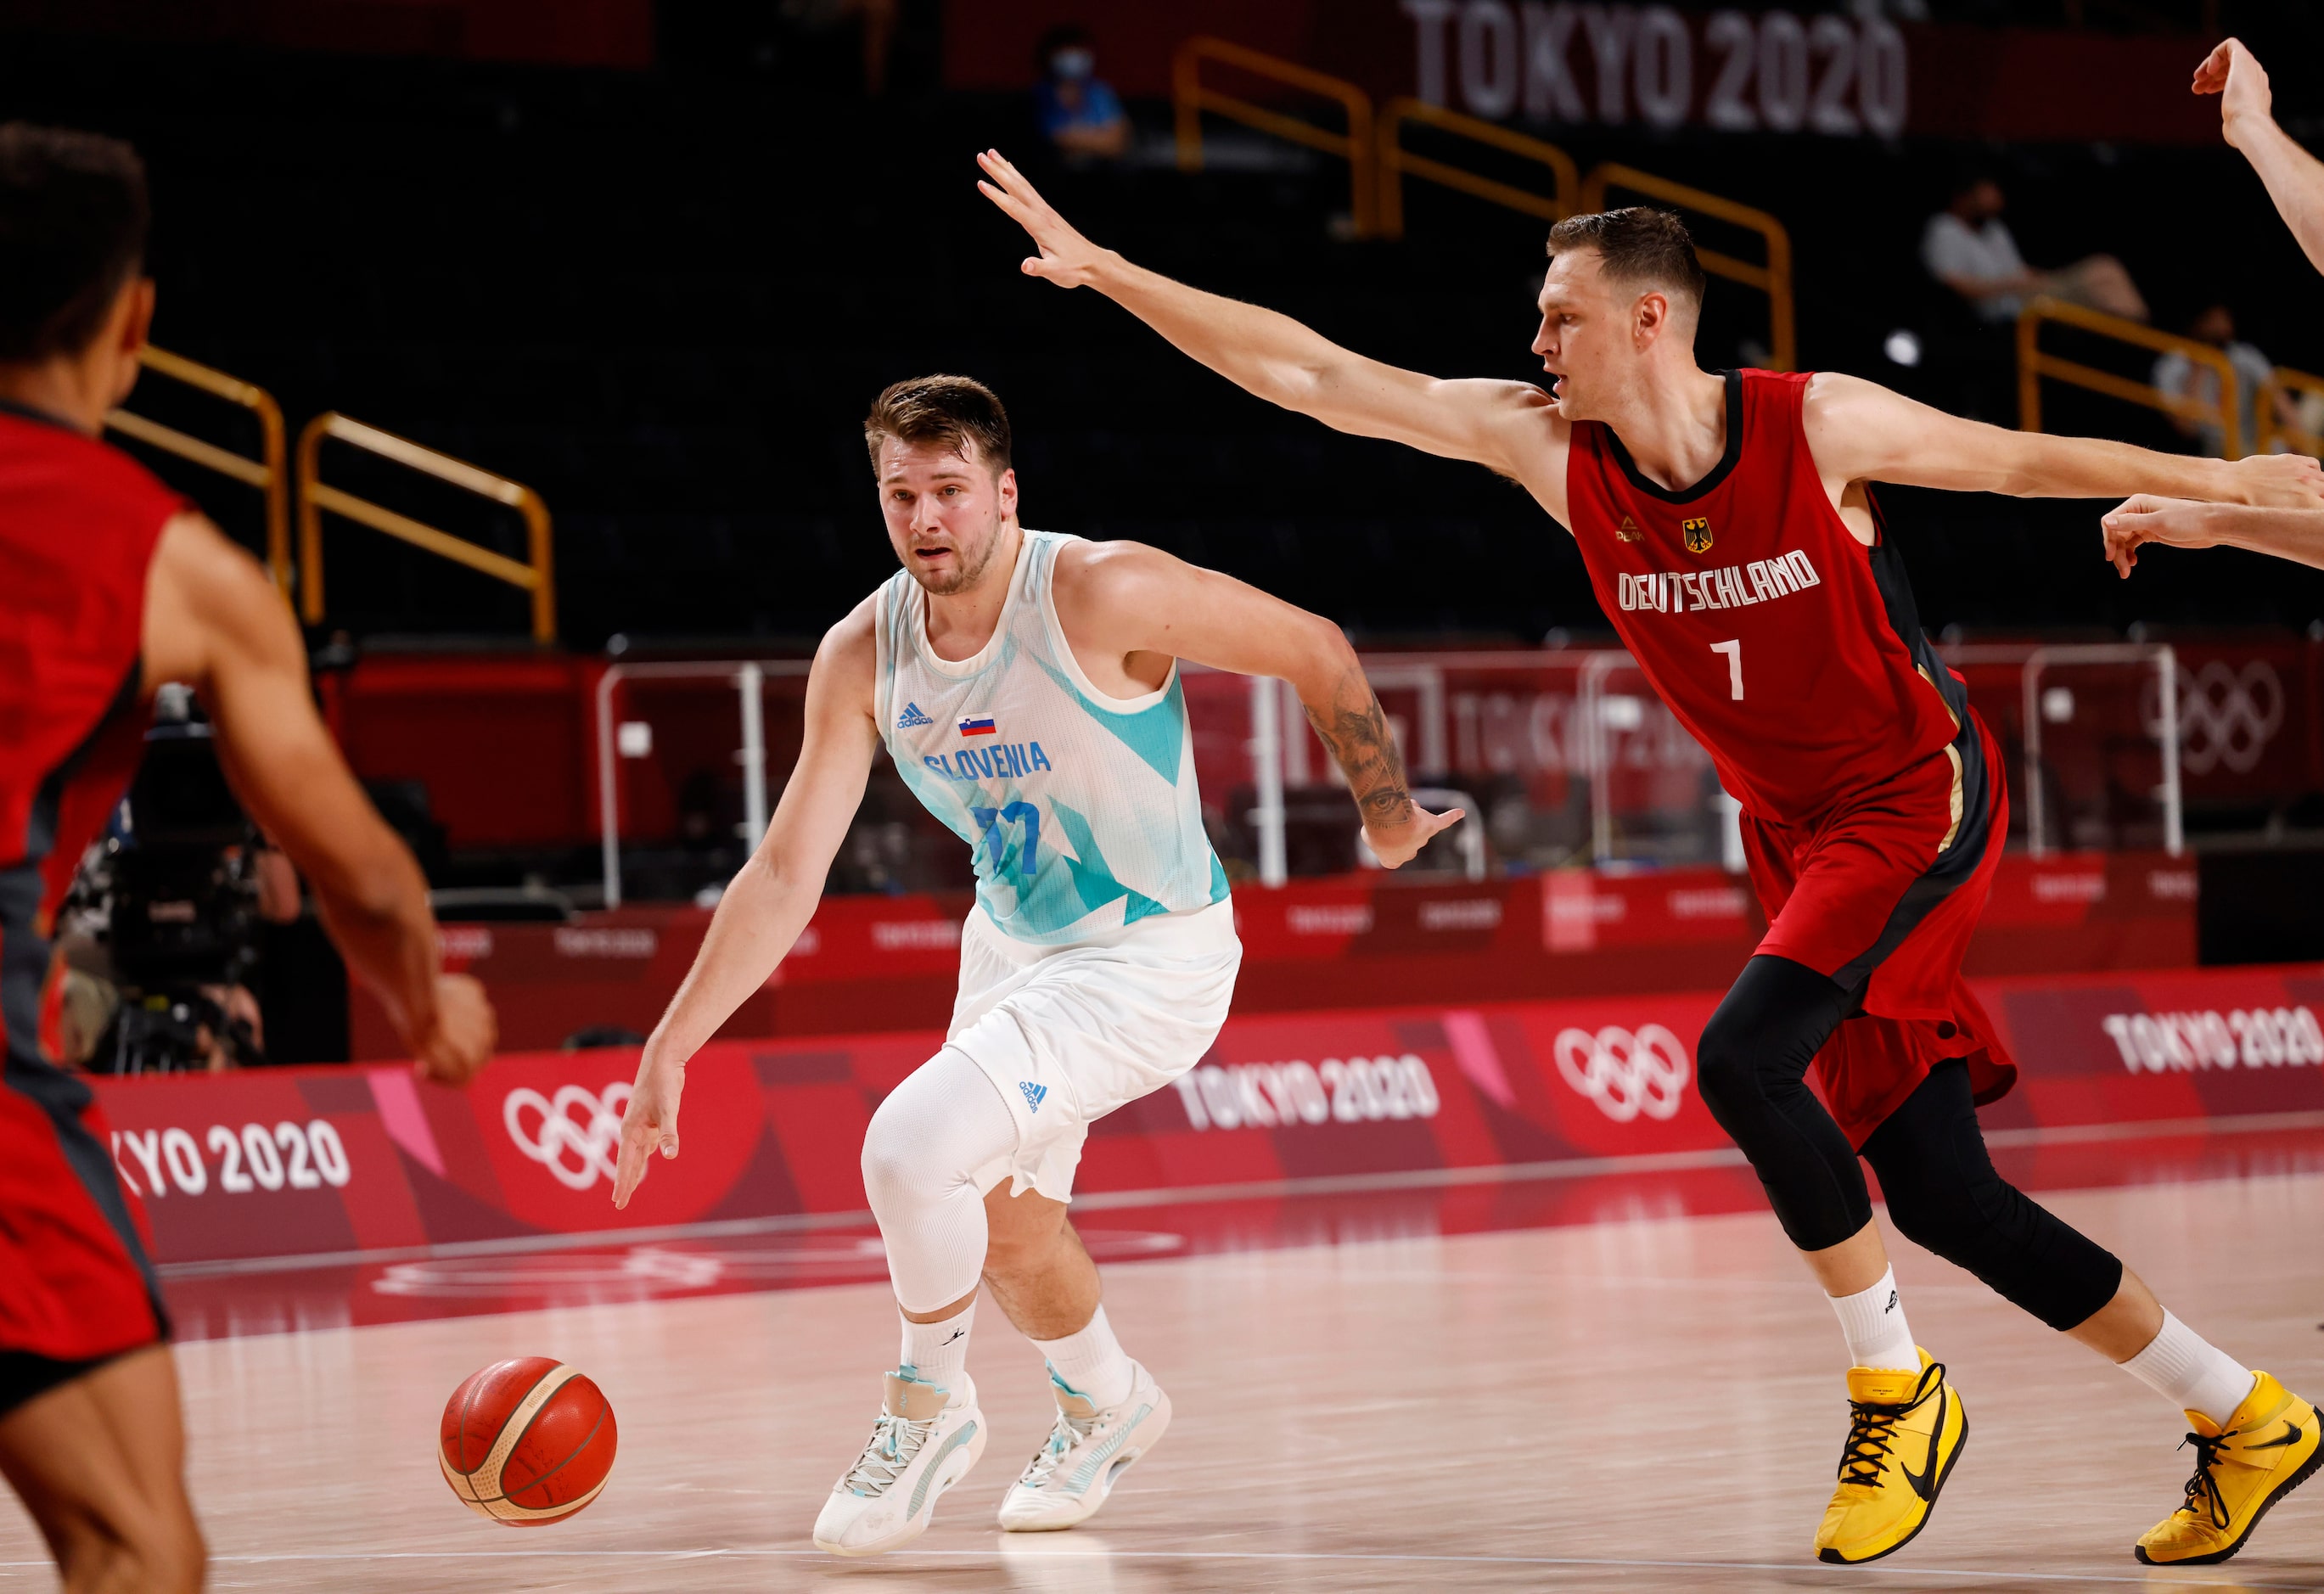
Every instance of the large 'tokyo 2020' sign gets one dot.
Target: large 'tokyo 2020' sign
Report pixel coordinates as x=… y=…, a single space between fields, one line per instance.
x=1734 y=70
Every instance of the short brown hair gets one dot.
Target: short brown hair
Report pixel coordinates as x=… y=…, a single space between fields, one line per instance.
x=952 y=410
x=1638 y=246
x=72 y=230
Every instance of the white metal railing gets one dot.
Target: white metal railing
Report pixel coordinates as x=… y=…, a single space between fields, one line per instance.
x=748 y=678
x=1593 y=700
x=1282 y=759
x=2166 y=731
x=1605 y=715
x=1265 y=746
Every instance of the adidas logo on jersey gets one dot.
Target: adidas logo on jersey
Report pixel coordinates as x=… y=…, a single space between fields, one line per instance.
x=1033 y=1095
x=912 y=719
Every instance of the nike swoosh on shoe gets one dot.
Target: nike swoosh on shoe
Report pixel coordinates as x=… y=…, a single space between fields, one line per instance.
x=1923 y=1482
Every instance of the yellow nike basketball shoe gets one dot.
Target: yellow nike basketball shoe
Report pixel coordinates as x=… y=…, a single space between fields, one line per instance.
x=1905 y=1433
x=2267 y=1449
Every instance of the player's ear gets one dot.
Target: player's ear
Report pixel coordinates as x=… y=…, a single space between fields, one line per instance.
x=139 y=326
x=125 y=333
x=121 y=338
x=1008 y=491
x=1651 y=316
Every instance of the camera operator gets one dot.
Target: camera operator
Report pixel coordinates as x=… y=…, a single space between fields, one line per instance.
x=158 y=939
x=110 y=585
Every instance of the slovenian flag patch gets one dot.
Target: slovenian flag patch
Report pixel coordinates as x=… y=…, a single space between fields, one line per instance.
x=984 y=727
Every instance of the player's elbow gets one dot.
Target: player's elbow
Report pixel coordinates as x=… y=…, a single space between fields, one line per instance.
x=783 y=866
x=1297 y=385
x=1325 y=658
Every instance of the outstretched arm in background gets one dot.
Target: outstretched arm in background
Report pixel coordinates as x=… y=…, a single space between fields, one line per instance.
x=771 y=900
x=1501 y=425
x=2295 y=534
x=1124 y=598
x=1861 y=432
x=2294 y=178
x=214 y=621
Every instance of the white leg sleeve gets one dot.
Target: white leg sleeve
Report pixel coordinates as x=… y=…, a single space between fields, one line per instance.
x=938 y=1142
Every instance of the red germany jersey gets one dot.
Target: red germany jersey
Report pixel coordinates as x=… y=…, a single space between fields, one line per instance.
x=78 y=522
x=1873 y=806
x=1790 y=649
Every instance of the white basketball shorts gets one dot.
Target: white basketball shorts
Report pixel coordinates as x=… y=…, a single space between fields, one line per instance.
x=1067 y=1033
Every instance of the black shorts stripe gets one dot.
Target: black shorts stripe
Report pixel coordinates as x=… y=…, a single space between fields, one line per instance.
x=1958 y=862
x=63 y=1096
x=26 y=1376
x=1949 y=873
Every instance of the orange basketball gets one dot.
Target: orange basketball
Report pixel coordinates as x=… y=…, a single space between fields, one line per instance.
x=527 y=1441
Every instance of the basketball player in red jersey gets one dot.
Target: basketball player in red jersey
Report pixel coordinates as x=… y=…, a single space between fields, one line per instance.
x=1727 y=524
x=111 y=585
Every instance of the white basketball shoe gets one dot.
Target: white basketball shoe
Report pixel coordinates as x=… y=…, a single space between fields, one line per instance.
x=1069 y=1476
x=926 y=1440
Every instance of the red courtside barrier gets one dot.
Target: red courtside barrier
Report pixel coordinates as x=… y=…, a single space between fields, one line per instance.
x=331 y=1161
x=1351 y=941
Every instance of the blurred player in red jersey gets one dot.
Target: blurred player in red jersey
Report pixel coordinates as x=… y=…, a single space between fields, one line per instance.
x=1727 y=524
x=110 y=585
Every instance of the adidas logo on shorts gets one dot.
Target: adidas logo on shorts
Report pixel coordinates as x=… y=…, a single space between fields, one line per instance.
x=1033 y=1095
x=912 y=719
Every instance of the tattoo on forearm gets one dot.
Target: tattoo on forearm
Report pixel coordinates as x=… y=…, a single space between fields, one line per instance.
x=1353 y=727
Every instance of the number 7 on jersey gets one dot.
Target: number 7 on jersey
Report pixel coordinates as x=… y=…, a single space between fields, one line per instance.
x=1734 y=652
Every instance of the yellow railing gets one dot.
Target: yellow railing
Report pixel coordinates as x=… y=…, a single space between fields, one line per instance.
x=264 y=473
x=537 y=577
x=1355 y=146
x=1773 y=279
x=2033 y=365
x=1376 y=174
x=1396 y=161
x=2272 y=431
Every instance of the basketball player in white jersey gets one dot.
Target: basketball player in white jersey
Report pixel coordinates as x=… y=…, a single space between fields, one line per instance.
x=1026 y=685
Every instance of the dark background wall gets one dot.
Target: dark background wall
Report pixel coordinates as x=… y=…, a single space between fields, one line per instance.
x=664 y=297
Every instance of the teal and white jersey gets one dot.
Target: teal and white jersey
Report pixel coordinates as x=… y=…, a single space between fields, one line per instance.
x=1081 y=808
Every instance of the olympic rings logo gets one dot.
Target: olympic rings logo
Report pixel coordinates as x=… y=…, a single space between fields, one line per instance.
x=1624 y=1072
x=577 y=1133
x=2226 y=716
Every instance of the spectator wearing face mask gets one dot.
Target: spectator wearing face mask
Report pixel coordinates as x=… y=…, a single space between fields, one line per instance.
x=1971 y=250
x=2183 y=378
x=1080 y=115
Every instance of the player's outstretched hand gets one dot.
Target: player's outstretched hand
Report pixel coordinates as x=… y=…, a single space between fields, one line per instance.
x=2281 y=481
x=2234 y=74
x=650 y=1124
x=1066 y=257
x=466 y=1031
x=1399 y=844
x=2174 y=522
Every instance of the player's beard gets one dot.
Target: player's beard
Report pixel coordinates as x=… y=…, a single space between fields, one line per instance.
x=968 y=568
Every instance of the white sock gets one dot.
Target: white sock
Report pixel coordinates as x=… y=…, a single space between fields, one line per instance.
x=1092 y=1362
x=2191 y=1372
x=938 y=1351
x=1873 y=1322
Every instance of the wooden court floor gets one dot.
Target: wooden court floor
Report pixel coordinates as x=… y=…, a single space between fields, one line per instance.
x=1647 y=1404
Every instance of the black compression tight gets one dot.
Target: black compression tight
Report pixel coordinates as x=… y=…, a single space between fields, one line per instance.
x=1753 y=1063
x=1941 y=1188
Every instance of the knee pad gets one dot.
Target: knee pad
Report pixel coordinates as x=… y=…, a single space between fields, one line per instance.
x=907 y=1158
x=934 y=1135
x=896 y=1169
